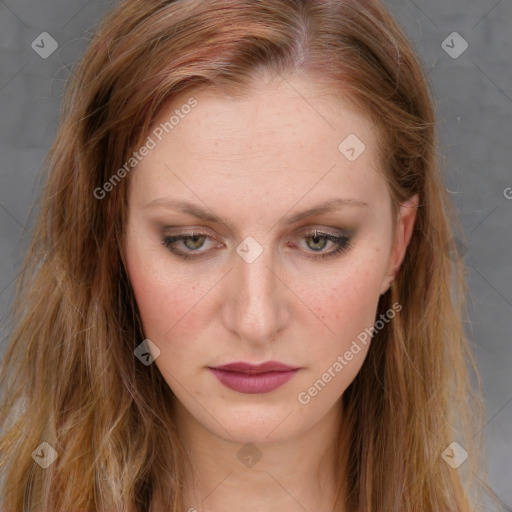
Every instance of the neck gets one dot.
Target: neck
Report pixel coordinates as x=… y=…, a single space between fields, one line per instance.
x=296 y=474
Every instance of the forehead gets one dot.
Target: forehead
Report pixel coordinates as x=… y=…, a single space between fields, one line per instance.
x=287 y=111
x=277 y=140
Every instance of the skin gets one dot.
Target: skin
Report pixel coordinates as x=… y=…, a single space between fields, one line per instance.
x=253 y=161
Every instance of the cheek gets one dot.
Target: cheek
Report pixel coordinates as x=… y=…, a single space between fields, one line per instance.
x=349 y=295
x=162 y=296
x=168 y=305
x=346 y=304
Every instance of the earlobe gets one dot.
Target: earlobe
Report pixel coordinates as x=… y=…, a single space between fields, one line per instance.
x=405 y=225
x=386 y=285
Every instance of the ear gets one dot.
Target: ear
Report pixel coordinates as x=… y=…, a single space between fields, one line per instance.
x=404 y=228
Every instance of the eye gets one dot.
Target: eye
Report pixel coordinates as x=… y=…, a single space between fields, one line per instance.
x=186 y=244
x=318 y=240
x=191 y=241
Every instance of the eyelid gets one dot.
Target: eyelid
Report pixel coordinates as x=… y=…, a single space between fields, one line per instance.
x=190 y=234
x=327 y=231
x=308 y=231
x=176 y=231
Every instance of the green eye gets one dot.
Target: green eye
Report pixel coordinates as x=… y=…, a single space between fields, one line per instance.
x=194 y=242
x=316 y=241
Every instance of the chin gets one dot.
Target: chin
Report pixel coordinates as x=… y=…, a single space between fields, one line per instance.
x=257 y=424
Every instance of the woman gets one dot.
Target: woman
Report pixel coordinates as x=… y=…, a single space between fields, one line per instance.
x=238 y=293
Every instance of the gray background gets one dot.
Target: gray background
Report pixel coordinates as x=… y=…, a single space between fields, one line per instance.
x=474 y=99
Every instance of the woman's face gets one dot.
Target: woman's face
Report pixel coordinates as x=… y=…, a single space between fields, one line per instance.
x=246 y=182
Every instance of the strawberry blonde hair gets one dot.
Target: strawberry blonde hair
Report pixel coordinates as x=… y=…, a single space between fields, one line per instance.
x=69 y=376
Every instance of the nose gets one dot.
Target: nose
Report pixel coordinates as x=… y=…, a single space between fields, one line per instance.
x=257 y=304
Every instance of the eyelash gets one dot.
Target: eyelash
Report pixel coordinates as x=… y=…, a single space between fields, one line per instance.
x=342 y=241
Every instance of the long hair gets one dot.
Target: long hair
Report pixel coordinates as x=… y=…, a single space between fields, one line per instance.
x=69 y=376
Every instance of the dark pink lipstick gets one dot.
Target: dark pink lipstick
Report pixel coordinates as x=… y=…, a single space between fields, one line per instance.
x=254 y=378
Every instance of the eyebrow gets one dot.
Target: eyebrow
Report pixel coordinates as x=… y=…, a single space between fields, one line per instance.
x=200 y=213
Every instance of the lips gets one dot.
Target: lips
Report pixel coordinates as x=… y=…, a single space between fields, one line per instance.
x=268 y=366
x=254 y=379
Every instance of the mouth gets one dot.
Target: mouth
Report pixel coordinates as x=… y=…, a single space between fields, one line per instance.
x=254 y=379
